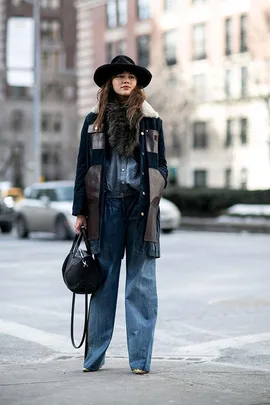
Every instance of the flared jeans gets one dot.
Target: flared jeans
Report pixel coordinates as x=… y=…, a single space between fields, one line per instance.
x=120 y=232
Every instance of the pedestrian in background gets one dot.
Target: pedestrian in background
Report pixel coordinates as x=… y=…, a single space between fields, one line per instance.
x=121 y=173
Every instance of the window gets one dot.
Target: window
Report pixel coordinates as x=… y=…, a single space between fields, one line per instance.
x=56 y=157
x=46 y=122
x=198 y=1
x=229 y=135
x=50 y=29
x=116 y=13
x=228 y=177
x=228 y=36
x=200 y=178
x=109 y=51
x=120 y=47
x=65 y=193
x=243 y=131
x=45 y=60
x=17 y=93
x=115 y=48
x=200 y=88
x=143 y=50
x=199 y=51
x=16 y=122
x=45 y=157
x=30 y=193
x=200 y=140
x=50 y=4
x=57 y=124
x=45 y=154
x=244 y=178
x=49 y=193
x=228 y=84
x=112 y=13
x=169 y=4
x=244 y=81
x=122 y=12
x=243 y=33
x=143 y=9
x=170 y=41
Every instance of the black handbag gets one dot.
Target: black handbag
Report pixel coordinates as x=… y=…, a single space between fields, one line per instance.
x=82 y=275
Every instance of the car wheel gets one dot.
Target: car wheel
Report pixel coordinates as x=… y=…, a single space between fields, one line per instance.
x=168 y=230
x=6 y=228
x=62 y=231
x=22 y=229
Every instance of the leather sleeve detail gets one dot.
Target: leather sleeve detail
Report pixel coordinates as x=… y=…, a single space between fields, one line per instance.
x=92 y=185
x=156 y=183
x=152 y=140
x=98 y=140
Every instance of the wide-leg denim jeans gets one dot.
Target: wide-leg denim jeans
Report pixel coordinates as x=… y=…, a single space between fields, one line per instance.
x=121 y=230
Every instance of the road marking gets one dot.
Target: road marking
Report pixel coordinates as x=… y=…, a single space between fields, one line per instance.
x=61 y=344
x=213 y=347
x=25 y=308
x=52 y=341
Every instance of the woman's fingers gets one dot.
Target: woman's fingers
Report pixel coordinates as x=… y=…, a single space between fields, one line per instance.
x=80 y=221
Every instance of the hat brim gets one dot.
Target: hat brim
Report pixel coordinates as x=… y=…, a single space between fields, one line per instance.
x=105 y=72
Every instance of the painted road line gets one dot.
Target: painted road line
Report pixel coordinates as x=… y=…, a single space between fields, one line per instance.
x=52 y=341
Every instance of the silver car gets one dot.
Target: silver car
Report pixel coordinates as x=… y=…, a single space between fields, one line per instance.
x=47 y=207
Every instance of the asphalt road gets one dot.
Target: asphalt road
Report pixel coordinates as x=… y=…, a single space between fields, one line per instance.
x=213 y=303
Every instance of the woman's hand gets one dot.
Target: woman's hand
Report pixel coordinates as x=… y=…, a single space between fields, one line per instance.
x=80 y=221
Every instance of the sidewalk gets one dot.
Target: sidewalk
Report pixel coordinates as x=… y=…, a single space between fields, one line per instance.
x=62 y=382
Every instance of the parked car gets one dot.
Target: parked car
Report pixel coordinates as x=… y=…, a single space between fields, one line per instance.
x=170 y=216
x=46 y=207
x=7 y=214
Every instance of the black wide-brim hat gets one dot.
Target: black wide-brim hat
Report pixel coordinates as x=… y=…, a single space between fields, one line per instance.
x=119 y=64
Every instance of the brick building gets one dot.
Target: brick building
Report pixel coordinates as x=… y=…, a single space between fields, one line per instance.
x=210 y=84
x=58 y=98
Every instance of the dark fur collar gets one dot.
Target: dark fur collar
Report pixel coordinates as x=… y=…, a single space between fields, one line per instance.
x=121 y=135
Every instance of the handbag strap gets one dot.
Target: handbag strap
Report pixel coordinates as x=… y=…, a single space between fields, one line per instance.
x=76 y=243
x=85 y=328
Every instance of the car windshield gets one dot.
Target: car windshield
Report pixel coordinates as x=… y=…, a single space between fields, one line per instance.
x=65 y=193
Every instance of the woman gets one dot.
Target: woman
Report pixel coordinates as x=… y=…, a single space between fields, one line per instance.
x=121 y=172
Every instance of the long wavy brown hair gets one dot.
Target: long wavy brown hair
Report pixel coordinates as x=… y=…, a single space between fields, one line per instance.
x=133 y=103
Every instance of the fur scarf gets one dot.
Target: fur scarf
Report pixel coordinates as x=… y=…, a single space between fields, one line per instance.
x=121 y=135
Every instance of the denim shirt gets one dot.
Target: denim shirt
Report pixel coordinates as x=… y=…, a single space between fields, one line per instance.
x=122 y=176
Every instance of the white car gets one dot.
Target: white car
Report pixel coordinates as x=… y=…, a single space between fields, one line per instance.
x=170 y=216
x=46 y=207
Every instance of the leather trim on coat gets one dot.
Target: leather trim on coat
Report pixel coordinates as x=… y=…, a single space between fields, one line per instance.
x=92 y=185
x=156 y=185
x=152 y=140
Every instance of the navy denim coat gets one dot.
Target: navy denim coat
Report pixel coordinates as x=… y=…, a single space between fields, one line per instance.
x=89 y=193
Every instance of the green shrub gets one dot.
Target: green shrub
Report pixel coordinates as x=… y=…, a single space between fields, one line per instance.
x=207 y=202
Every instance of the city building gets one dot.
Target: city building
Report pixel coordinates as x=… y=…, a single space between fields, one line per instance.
x=58 y=121
x=209 y=59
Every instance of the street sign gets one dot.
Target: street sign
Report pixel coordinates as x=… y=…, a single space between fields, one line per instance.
x=20 y=51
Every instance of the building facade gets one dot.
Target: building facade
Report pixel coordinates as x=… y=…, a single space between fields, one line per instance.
x=58 y=124
x=211 y=80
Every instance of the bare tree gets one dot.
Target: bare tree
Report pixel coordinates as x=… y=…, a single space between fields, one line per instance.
x=171 y=94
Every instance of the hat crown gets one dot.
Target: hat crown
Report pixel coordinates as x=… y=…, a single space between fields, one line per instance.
x=123 y=60
x=119 y=64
